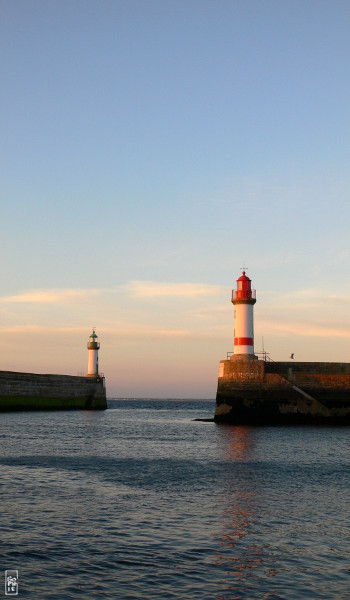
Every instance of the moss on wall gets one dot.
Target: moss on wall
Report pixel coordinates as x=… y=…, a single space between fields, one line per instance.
x=14 y=403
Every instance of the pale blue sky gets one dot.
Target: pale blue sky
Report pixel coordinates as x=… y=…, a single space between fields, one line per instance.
x=149 y=149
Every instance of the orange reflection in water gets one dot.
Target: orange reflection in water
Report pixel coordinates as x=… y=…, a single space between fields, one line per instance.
x=238 y=442
x=239 y=553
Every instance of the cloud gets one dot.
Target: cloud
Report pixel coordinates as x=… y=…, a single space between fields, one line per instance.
x=122 y=332
x=112 y=332
x=51 y=296
x=152 y=289
x=306 y=328
x=137 y=289
x=36 y=329
x=303 y=300
x=140 y=333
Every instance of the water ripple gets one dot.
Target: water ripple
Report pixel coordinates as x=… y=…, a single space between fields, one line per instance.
x=143 y=502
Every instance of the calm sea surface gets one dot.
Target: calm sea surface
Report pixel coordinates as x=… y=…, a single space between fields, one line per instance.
x=140 y=501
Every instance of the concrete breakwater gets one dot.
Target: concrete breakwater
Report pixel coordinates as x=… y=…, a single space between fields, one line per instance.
x=259 y=392
x=29 y=391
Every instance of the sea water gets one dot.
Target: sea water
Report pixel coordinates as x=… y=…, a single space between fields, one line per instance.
x=142 y=501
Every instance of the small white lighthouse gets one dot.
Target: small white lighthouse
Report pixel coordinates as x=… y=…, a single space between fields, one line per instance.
x=243 y=299
x=93 y=347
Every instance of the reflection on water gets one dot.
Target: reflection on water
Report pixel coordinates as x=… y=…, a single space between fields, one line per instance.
x=141 y=501
x=243 y=559
x=237 y=442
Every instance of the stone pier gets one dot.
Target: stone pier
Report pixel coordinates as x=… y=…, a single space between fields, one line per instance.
x=29 y=391
x=267 y=393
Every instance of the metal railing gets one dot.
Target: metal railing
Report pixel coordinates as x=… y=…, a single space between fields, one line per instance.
x=244 y=294
x=84 y=374
x=93 y=345
x=262 y=355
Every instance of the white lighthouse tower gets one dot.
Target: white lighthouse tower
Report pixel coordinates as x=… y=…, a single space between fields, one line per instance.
x=243 y=299
x=93 y=347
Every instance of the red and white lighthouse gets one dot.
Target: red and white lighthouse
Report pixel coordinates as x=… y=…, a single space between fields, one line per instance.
x=243 y=299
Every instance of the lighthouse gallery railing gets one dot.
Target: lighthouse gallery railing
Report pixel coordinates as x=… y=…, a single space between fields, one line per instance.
x=247 y=294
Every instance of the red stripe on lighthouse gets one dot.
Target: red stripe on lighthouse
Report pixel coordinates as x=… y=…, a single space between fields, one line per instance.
x=241 y=341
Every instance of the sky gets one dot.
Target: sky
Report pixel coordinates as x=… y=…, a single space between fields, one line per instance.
x=149 y=151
